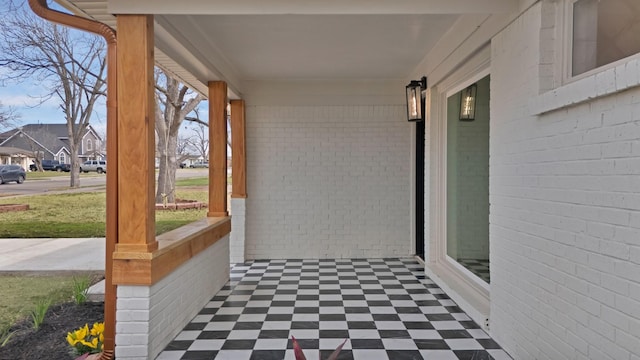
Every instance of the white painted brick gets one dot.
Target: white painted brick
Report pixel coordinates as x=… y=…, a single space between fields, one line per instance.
x=565 y=209
x=171 y=303
x=327 y=182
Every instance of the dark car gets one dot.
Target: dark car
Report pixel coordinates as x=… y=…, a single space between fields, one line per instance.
x=50 y=165
x=12 y=173
x=63 y=167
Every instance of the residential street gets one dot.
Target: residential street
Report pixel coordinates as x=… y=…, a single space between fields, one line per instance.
x=61 y=184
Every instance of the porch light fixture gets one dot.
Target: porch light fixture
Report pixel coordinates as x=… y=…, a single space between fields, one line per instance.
x=415 y=99
x=468 y=103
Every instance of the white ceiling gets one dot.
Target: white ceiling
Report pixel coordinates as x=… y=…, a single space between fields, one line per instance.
x=241 y=40
x=259 y=47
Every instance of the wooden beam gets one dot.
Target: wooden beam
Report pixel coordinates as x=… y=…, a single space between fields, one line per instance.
x=176 y=247
x=217 y=149
x=136 y=141
x=238 y=153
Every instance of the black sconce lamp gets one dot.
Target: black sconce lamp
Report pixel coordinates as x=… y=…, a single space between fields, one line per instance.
x=468 y=103
x=415 y=99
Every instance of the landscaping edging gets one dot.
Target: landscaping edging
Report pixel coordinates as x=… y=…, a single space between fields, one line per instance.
x=13 y=207
x=182 y=205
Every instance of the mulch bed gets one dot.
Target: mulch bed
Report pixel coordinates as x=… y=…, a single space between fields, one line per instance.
x=49 y=342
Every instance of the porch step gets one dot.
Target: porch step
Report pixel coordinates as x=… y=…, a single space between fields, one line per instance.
x=96 y=292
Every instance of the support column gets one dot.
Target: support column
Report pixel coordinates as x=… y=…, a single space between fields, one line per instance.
x=239 y=162
x=136 y=141
x=217 y=149
x=239 y=182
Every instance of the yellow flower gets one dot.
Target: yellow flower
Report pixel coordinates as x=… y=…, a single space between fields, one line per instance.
x=82 y=332
x=101 y=338
x=71 y=339
x=97 y=329
x=93 y=344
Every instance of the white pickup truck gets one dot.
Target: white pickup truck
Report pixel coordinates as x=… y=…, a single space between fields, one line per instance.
x=99 y=166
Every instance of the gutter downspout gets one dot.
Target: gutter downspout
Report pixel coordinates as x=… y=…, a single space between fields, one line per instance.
x=40 y=8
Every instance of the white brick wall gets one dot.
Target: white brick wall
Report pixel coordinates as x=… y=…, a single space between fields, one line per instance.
x=236 y=245
x=565 y=209
x=149 y=317
x=327 y=181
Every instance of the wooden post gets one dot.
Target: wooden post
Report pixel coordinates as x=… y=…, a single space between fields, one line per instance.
x=217 y=149
x=238 y=157
x=136 y=141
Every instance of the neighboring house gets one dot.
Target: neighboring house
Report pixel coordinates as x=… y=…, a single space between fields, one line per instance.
x=15 y=156
x=519 y=189
x=51 y=141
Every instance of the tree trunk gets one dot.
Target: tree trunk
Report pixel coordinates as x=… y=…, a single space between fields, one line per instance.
x=167 y=169
x=75 y=166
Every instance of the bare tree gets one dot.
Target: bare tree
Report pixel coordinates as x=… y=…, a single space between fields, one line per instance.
x=7 y=117
x=174 y=101
x=199 y=142
x=69 y=64
x=182 y=149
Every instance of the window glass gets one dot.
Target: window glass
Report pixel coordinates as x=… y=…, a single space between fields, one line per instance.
x=89 y=145
x=604 y=31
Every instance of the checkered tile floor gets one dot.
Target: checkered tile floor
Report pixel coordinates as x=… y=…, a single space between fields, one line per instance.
x=479 y=267
x=386 y=308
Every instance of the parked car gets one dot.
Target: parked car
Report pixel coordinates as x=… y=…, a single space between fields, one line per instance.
x=63 y=167
x=200 y=164
x=12 y=173
x=99 y=166
x=183 y=165
x=51 y=165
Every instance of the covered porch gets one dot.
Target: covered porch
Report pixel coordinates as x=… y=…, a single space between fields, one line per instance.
x=384 y=308
x=325 y=174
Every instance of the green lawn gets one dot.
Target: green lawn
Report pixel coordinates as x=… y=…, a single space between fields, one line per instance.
x=21 y=293
x=81 y=215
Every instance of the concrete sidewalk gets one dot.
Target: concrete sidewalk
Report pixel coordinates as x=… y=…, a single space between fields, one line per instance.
x=17 y=255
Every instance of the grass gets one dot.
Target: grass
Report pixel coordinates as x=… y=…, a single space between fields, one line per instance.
x=79 y=215
x=21 y=294
x=37 y=175
x=81 y=289
x=38 y=313
x=199 y=181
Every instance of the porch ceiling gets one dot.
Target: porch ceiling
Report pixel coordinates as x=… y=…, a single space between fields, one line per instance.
x=237 y=41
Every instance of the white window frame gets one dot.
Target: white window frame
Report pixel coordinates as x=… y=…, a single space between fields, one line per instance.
x=566 y=22
x=571 y=90
x=62 y=158
x=89 y=145
x=470 y=292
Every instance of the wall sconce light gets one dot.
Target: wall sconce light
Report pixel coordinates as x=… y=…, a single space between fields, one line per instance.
x=468 y=103
x=415 y=99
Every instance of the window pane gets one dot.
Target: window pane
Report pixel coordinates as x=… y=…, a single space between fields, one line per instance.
x=604 y=31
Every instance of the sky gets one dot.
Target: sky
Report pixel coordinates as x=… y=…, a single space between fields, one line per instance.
x=25 y=100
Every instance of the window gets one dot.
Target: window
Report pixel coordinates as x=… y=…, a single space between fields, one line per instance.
x=61 y=158
x=602 y=32
x=89 y=145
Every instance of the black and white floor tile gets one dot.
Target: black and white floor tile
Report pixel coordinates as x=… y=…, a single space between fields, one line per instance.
x=385 y=308
x=479 y=267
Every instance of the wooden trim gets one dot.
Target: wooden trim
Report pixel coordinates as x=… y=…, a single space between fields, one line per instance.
x=217 y=149
x=136 y=138
x=238 y=152
x=176 y=247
